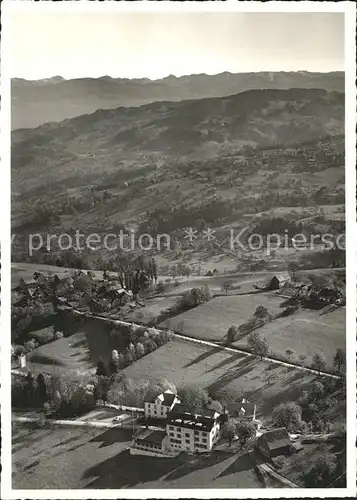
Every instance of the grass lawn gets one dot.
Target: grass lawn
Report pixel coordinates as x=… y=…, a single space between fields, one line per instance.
x=306 y=332
x=152 y=311
x=228 y=376
x=88 y=458
x=211 y=320
x=68 y=355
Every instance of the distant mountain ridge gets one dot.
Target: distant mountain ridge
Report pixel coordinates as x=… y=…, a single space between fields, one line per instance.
x=55 y=99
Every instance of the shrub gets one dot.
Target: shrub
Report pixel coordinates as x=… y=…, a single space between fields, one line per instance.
x=160 y=287
x=279 y=462
x=57 y=335
x=232 y=333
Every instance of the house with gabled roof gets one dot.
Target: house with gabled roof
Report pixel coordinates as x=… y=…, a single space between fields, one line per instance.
x=274 y=443
x=278 y=281
x=243 y=409
x=158 y=405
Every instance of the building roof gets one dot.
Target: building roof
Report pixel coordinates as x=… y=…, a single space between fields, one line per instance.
x=165 y=398
x=191 y=422
x=283 y=276
x=168 y=399
x=200 y=419
x=202 y=412
x=150 y=436
x=276 y=439
x=150 y=396
x=244 y=406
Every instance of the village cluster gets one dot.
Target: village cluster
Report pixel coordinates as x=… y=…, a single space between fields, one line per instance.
x=198 y=430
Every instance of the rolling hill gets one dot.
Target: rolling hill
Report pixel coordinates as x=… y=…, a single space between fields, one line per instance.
x=167 y=165
x=55 y=99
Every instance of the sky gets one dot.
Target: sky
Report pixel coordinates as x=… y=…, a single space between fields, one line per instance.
x=155 y=45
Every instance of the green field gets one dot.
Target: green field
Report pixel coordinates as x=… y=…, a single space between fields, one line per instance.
x=152 y=311
x=69 y=355
x=210 y=321
x=88 y=458
x=226 y=375
x=307 y=332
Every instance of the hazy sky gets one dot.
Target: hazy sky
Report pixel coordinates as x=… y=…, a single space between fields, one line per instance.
x=154 y=45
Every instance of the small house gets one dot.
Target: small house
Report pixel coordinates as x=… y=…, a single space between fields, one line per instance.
x=278 y=281
x=274 y=443
x=244 y=410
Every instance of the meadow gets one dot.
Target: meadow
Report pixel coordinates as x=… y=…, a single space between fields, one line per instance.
x=210 y=321
x=227 y=376
x=306 y=332
x=88 y=458
x=65 y=356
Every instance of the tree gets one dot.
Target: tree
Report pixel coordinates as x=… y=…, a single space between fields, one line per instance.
x=115 y=354
x=101 y=368
x=30 y=345
x=322 y=472
x=58 y=335
x=245 y=430
x=180 y=326
x=41 y=388
x=129 y=358
x=339 y=361
x=232 y=333
x=150 y=345
x=292 y=268
x=289 y=352
x=101 y=388
x=318 y=362
x=228 y=431
x=316 y=391
x=287 y=415
x=261 y=312
x=226 y=286
x=140 y=350
x=193 y=395
x=258 y=345
x=114 y=365
x=186 y=271
x=173 y=272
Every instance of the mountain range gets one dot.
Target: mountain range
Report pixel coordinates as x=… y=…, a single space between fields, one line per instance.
x=165 y=138
x=55 y=99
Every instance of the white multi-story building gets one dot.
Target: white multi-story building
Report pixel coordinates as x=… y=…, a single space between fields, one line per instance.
x=158 y=405
x=192 y=430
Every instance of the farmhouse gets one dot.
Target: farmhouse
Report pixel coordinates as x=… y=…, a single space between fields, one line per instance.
x=243 y=409
x=195 y=430
x=158 y=405
x=150 y=443
x=274 y=443
x=278 y=281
